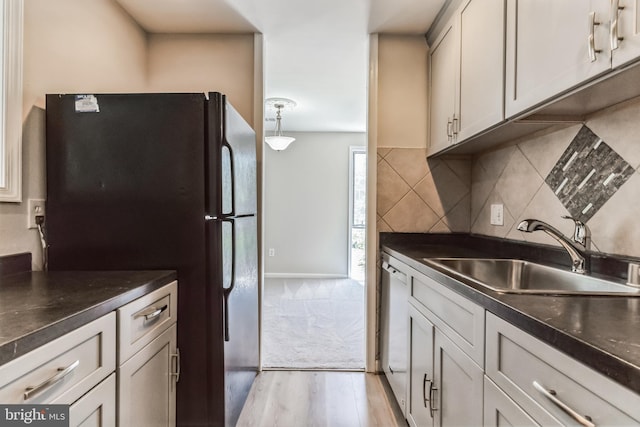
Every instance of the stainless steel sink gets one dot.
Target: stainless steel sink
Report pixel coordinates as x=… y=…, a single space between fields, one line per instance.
x=523 y=277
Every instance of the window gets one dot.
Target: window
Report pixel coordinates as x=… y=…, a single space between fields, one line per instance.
x=357 y=211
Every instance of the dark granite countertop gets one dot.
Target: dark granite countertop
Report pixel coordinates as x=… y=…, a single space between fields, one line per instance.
x=600 y=332
x=38 y=307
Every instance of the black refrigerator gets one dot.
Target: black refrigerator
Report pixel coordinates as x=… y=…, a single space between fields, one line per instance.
x=166 y=181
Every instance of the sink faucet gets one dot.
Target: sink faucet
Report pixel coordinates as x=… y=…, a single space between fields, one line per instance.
x=577 y=246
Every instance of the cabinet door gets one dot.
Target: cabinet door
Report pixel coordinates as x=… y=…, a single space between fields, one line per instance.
x=420 y=369
x=481 y=94
x=96 y=408
x=394 y=330
x=499 y=410
x=628 y=28
x=458 y=396
x=548 y=48
x=146 y=385
x=443 y=77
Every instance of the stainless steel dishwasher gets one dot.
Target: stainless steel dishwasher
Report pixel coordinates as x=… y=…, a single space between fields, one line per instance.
x=393 y=325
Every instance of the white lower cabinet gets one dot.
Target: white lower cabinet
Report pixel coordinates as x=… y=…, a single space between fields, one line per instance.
x=445 y=384
x=420 y=411
x=147 y=384
x=442 y=343
x=82 y=369
x=551 y=387
x=468 y=367
x=500 y=410
x=148 y=367
x=96 y=408
x=75 y=369
x=458 y=398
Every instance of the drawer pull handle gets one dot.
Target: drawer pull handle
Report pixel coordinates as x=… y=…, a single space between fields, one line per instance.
x=151 y=313
x=551 y=395
x=614 y=36
x=29 y=392
x=591 y=43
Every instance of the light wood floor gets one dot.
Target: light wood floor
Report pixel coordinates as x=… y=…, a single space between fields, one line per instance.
x=322 y=398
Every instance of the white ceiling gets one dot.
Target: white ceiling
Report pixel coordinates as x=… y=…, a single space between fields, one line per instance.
x=316 y=52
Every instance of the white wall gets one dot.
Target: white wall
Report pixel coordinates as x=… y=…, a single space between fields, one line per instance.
x=402 y=91
x=202 y=63
x=306 y=204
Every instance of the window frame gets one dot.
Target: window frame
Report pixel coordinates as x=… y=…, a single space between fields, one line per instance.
x=11 y=101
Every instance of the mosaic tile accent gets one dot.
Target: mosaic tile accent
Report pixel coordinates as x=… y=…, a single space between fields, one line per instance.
x=587 y=174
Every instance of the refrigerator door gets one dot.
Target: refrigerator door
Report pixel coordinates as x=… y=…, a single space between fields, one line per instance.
x=240 y=277
x=232 y=250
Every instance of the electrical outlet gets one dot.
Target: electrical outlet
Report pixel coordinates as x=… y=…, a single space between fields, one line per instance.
x=36 y=208
x=272 y=252
x=497 y=214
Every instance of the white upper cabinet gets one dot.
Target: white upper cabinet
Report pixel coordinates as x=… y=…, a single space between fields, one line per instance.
x=624 y=34
x=443 y=61
x=466 y=74
x=481 y=93
x=498 y=62
x=554 y=46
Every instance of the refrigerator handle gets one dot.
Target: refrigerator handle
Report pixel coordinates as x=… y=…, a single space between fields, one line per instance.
x=227 y=291
x=233 y=177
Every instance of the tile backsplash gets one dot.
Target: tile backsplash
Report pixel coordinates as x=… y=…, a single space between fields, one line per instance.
x=419 y=196
x=525 y=178
x=453 y=195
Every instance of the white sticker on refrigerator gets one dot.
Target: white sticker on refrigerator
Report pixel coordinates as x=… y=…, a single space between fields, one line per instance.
x=87 y=104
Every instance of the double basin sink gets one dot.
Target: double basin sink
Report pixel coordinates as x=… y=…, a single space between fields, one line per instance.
x=524 y=277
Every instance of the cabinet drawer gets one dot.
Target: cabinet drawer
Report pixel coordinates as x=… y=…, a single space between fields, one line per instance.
x=142 y=320
x=64 y=369
x=461 y=320
x=516 y=361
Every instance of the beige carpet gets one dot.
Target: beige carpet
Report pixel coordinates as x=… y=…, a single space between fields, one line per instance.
x=313 y=323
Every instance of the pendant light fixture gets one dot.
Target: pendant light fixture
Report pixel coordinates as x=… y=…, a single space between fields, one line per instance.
x=278 y=141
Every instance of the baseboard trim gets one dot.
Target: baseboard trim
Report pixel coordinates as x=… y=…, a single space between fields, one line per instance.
x=304 y=276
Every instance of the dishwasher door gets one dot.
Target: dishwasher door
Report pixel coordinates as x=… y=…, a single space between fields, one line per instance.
x=394 y=328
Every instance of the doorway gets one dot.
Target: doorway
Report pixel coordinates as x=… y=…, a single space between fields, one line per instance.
x=313 y=307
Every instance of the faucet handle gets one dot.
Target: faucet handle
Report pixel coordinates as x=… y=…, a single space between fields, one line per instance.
x=581 y=233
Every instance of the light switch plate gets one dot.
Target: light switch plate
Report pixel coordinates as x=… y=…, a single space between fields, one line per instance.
x=497 y=214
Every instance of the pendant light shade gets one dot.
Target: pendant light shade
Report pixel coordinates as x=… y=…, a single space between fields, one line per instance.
x=278 y=141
